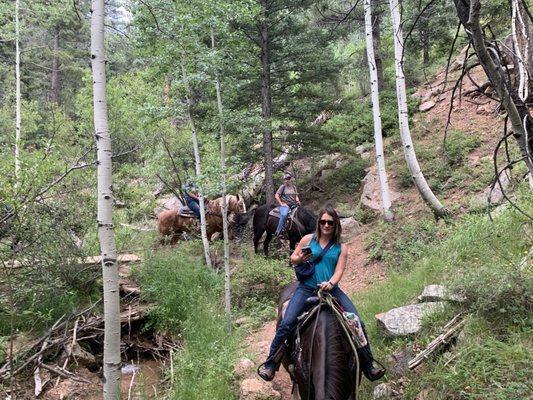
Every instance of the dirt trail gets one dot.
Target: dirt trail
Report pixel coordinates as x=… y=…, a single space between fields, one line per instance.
x=360 y=273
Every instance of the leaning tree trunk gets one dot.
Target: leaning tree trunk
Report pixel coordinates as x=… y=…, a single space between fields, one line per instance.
x=374 y=85
x=17 y=92
x=227 y=270
x=197 y=168
x=266 y=106
x=521 y=121
x=106 y=236
x=409 y=151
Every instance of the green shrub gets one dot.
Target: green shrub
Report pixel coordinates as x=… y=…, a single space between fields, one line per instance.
x=459 y=145
x=402 y=242
x=259 y=280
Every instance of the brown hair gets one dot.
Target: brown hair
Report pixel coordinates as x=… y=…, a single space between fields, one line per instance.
x=337 y=231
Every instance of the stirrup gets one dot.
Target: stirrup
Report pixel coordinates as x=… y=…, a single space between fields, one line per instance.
x=262 y=372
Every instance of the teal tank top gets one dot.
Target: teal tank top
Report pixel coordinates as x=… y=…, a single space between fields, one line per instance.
x=326 y=267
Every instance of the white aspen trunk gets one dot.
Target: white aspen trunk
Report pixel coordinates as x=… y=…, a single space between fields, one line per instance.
x=17 y=92
x=106 y=235
x=227 y=270
x=517 y=23
x=378 y=139
x=203 y=226
x=409 y=151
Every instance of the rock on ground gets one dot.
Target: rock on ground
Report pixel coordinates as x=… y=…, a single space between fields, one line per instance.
x=243 y=367
x=406 y=320
x=371 y=196
x=167 y=203
x=428 y=105
x=257 y=389
x=384 y=391
x=438 y=293
x=350 y=227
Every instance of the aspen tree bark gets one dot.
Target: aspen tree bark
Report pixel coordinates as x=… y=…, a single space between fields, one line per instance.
x=266 y=106
x=17 y=92
x=378 y=139
x=106 y=235
x=409 y=151
x=227 y=270
x=54 y=81
x=203 y=226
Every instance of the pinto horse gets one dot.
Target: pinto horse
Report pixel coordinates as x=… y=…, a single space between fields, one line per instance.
x=263 y=222
x=172 y=223
x=322 y=365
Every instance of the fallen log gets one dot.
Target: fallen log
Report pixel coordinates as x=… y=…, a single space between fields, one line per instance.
x=452 y=329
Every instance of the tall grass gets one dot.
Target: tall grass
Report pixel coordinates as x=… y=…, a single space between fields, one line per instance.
x=189 y=304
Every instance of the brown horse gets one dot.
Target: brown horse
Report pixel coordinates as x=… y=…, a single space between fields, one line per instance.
x=322 y=366
x=170 y=223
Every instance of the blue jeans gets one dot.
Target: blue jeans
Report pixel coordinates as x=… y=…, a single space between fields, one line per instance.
x=295 y=308
x=193 y=205
x=283 y=212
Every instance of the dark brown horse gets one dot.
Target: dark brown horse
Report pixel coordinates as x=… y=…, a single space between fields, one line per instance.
x=323 y=365
x=263 y=222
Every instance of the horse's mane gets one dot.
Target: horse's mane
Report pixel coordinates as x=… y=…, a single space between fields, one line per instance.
x=307 y=217
x=337 y=353
x=336 y=349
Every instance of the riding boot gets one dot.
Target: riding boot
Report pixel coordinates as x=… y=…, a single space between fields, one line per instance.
x=268 y=369
x=366 y=359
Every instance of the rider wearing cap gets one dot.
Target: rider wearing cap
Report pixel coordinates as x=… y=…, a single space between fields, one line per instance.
x=287 y=198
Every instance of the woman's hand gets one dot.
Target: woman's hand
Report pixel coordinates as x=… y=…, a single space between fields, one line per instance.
x=325 y=286
x=300 y=257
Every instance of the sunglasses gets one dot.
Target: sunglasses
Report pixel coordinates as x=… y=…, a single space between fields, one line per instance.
x=326 y=222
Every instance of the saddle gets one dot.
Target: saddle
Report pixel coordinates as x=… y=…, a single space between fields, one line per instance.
x=291 y=217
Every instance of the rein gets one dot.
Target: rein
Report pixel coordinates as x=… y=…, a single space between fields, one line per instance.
x=328 y=299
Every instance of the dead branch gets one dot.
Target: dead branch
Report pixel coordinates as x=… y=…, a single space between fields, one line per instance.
x=451 y=330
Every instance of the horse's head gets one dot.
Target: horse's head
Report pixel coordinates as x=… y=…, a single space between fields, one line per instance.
x=238 y=221
x=236 y=204
x=307 y=218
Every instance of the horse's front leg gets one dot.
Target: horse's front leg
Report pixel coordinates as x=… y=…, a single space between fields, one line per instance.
x=268 y=238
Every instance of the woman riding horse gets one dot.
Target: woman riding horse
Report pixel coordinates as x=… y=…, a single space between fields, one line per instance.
x=326 y=276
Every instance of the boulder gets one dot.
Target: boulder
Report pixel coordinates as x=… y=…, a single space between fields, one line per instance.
x=257 y=389
x=384 y=391
x=350 y=227
x=363 y=148
x=426 y=106
x=371 y=196
x=243 y=367
x=406 y=320
x=438 y=293
x=167 y=203
x=81 y=356
x=496 y=197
